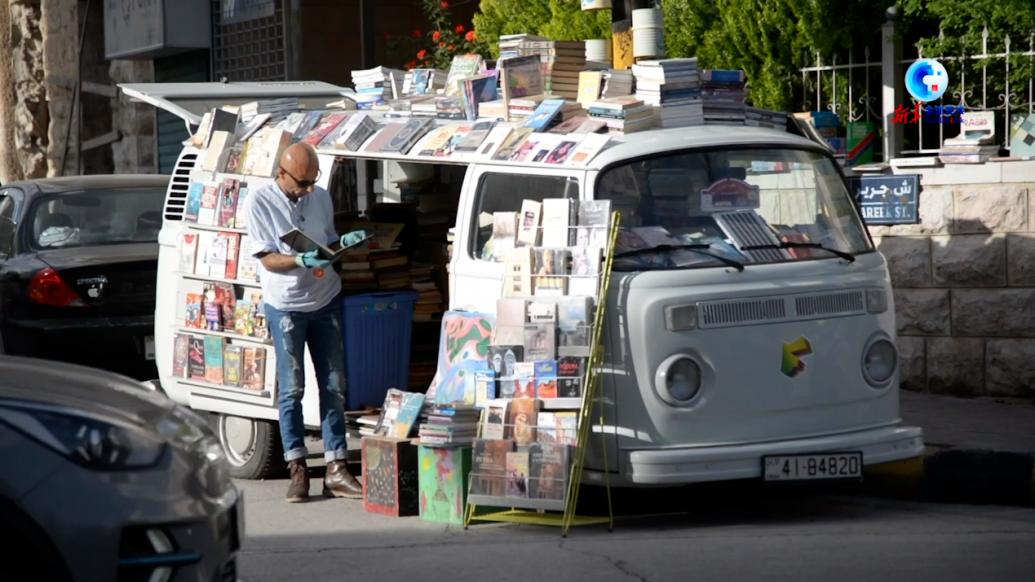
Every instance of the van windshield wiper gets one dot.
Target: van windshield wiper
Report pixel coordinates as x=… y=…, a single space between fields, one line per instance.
x=802 y=245
x=700 y=248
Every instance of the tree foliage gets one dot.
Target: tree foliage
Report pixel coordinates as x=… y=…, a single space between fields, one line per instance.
x=554 y=19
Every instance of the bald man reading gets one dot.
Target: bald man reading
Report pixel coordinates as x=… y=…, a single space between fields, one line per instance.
x=299 y=293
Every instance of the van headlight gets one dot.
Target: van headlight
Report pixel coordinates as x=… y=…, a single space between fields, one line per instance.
x=678 y=380
x=879 y=361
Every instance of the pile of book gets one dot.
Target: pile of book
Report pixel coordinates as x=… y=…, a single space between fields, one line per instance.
x=430 y=304
x=722 y=91
x=424 y=82
x=673 y=87
x=562 y=61
x=276 y=109
x=976 y=142
x=449 y=425
x=756 y=117
x=376 y=85
x=510 y=44
x=622 y=114
x=617 y=83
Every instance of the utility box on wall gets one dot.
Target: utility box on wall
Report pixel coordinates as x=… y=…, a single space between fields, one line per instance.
x=148 y=29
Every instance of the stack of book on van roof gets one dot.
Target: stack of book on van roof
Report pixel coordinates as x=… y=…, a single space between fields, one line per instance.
x=722 y=91
x=377 y=85
x=562 y=62
x=622 y=114
x=510 y=44
x=617 y=83
x=673 y=87
x=277 y=109
x=757 y=117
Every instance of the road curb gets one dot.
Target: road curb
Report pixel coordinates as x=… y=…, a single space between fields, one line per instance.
x=957 y=476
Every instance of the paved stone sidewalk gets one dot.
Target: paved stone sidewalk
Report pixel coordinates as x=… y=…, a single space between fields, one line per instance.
x=971 y=423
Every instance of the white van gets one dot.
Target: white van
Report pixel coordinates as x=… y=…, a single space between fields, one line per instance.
x=749 y=353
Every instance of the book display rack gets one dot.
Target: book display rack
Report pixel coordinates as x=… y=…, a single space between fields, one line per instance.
x=222 y=346
x=529 y=453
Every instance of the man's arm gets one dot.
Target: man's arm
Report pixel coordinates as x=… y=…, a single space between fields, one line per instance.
x=264 y=241
x=278 y=263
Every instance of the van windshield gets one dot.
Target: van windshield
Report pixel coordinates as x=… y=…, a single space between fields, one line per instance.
x=716 y=208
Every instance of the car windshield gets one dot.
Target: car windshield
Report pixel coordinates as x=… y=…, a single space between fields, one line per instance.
x=748 y=206
x=97 y=217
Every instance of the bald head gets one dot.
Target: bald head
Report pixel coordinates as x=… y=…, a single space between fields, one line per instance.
x=299 y=170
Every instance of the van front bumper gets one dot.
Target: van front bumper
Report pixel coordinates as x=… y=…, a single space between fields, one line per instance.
x=721 y=463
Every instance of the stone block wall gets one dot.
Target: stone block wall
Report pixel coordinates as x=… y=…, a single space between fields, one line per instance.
x=964 y=281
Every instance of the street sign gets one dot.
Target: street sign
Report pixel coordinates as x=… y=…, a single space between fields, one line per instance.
x=887 y=199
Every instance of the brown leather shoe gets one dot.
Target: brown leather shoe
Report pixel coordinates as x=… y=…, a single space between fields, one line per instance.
x=340 y=483
x=299 y=488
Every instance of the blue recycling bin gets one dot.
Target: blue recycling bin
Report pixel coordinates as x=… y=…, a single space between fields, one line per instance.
x=377 y=328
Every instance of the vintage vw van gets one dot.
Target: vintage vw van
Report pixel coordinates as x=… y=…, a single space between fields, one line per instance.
x=761 y=344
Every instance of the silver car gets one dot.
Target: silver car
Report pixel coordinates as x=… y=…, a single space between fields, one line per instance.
x=103 y=479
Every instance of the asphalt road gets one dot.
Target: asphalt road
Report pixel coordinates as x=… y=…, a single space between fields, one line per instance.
x=717 y=533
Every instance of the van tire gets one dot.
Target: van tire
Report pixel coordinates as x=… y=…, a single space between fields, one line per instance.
x=252 y=446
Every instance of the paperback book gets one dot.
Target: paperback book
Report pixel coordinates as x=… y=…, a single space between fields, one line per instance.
x=546 y=379
x=517 y=473
x=233 y=365
x=196 y=357
x=214 y=359
x=550 y=271
x=181 y=351
x=574 y=316
x=489 y=466
x=570 y=373
x=548 y=470
x=503 y=362
x=521 y=419
x=495 y=424
x=540 y=341
x=255 y=368
x=524 y=384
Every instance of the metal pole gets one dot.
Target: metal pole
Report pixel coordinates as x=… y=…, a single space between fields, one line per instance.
x=890 y=81
x=76 y=105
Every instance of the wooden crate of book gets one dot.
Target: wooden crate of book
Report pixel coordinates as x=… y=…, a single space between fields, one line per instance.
x=443 y=476
x=390 y=481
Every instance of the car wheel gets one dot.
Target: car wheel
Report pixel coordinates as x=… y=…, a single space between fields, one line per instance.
x=252 y=446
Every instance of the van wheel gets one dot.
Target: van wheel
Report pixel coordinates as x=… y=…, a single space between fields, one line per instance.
x=252 y=446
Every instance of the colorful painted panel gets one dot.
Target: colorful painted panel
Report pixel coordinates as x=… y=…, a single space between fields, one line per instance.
x=463 y=350
x=443 y=483
x=389 y=476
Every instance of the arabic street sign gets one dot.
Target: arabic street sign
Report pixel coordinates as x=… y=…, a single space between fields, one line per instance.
x=887 y=199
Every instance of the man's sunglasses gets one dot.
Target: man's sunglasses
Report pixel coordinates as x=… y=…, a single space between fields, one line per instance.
x=303 y=183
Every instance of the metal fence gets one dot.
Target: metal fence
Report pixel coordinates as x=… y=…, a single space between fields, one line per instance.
x=855 y=90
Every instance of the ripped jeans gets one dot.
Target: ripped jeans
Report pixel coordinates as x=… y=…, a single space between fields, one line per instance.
x=321 y=329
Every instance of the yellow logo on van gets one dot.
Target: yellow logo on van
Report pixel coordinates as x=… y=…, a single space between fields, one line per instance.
x=793 y=353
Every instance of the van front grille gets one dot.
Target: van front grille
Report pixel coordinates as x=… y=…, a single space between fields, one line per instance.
x=781 y=309
x=176 y=197
x=847 y=303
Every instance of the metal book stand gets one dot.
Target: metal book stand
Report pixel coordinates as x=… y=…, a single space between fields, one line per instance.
x=561 y=513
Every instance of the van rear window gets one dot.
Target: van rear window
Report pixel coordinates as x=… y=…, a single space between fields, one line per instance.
x=499 y=193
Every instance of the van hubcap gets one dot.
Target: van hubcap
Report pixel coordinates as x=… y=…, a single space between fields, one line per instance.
x=238 y=438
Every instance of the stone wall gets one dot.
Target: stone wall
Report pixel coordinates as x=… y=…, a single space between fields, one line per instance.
x=964 y=281
x=60 y=28
x=31 y=115
x=136 y=151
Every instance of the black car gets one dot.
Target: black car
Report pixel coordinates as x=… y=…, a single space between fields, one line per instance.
x=78 y=265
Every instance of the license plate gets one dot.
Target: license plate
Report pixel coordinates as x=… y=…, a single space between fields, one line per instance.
x=149 y=347
x=818 y=466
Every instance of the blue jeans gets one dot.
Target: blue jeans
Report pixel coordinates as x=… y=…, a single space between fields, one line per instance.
x=321 y=329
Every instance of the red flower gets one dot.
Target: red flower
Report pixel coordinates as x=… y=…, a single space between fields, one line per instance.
x=436 y=36
x=452 y=47
x=443 y=5
x=417 y=33
x=459 y=28
x=422 y=54
x=411 y=65
x=471 y=36
x=442 y=45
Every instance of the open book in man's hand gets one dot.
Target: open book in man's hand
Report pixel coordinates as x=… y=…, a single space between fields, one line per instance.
x=301 y=243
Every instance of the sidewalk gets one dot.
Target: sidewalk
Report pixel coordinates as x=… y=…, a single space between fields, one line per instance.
x=978 y=451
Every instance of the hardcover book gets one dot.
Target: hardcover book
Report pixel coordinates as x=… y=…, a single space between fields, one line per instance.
x=540 y=342
x=566 y=426
x=233 y=365
x=517 y=278
x=585 y=271
x=575 y=317
x=521 y=419
x=484 y=387
x=181 y=351
x=489 y=466
x=548 y=470
x=590 y=83
x=474 y=90
x=544 y=114
x=503 y=362
x=193 y=203
x=542 y=311
x=463 y=66
x=188 y=252
x=264 y=150
x=550 y=271
x=494 y=140
x=510 y=146
x=474 y=138
x=196 y=357
x=194 y=316
x=524 y=386
x=528 y=229
x=435 y=140
x=504 y=234
x=213 y=359
x=407 y=416
x=510 y=321
x=255 y=369
x=521 y=76
x=558 y=218
x=517 y=474
x=358 y=129
x=209 y=205
x=594 y=219
x=408 y=135
x=495 y=424
x=326 y=125
x=385 y=135
x=546 y=379
x=233 y=243
x=570 y=373
x=216 y=152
